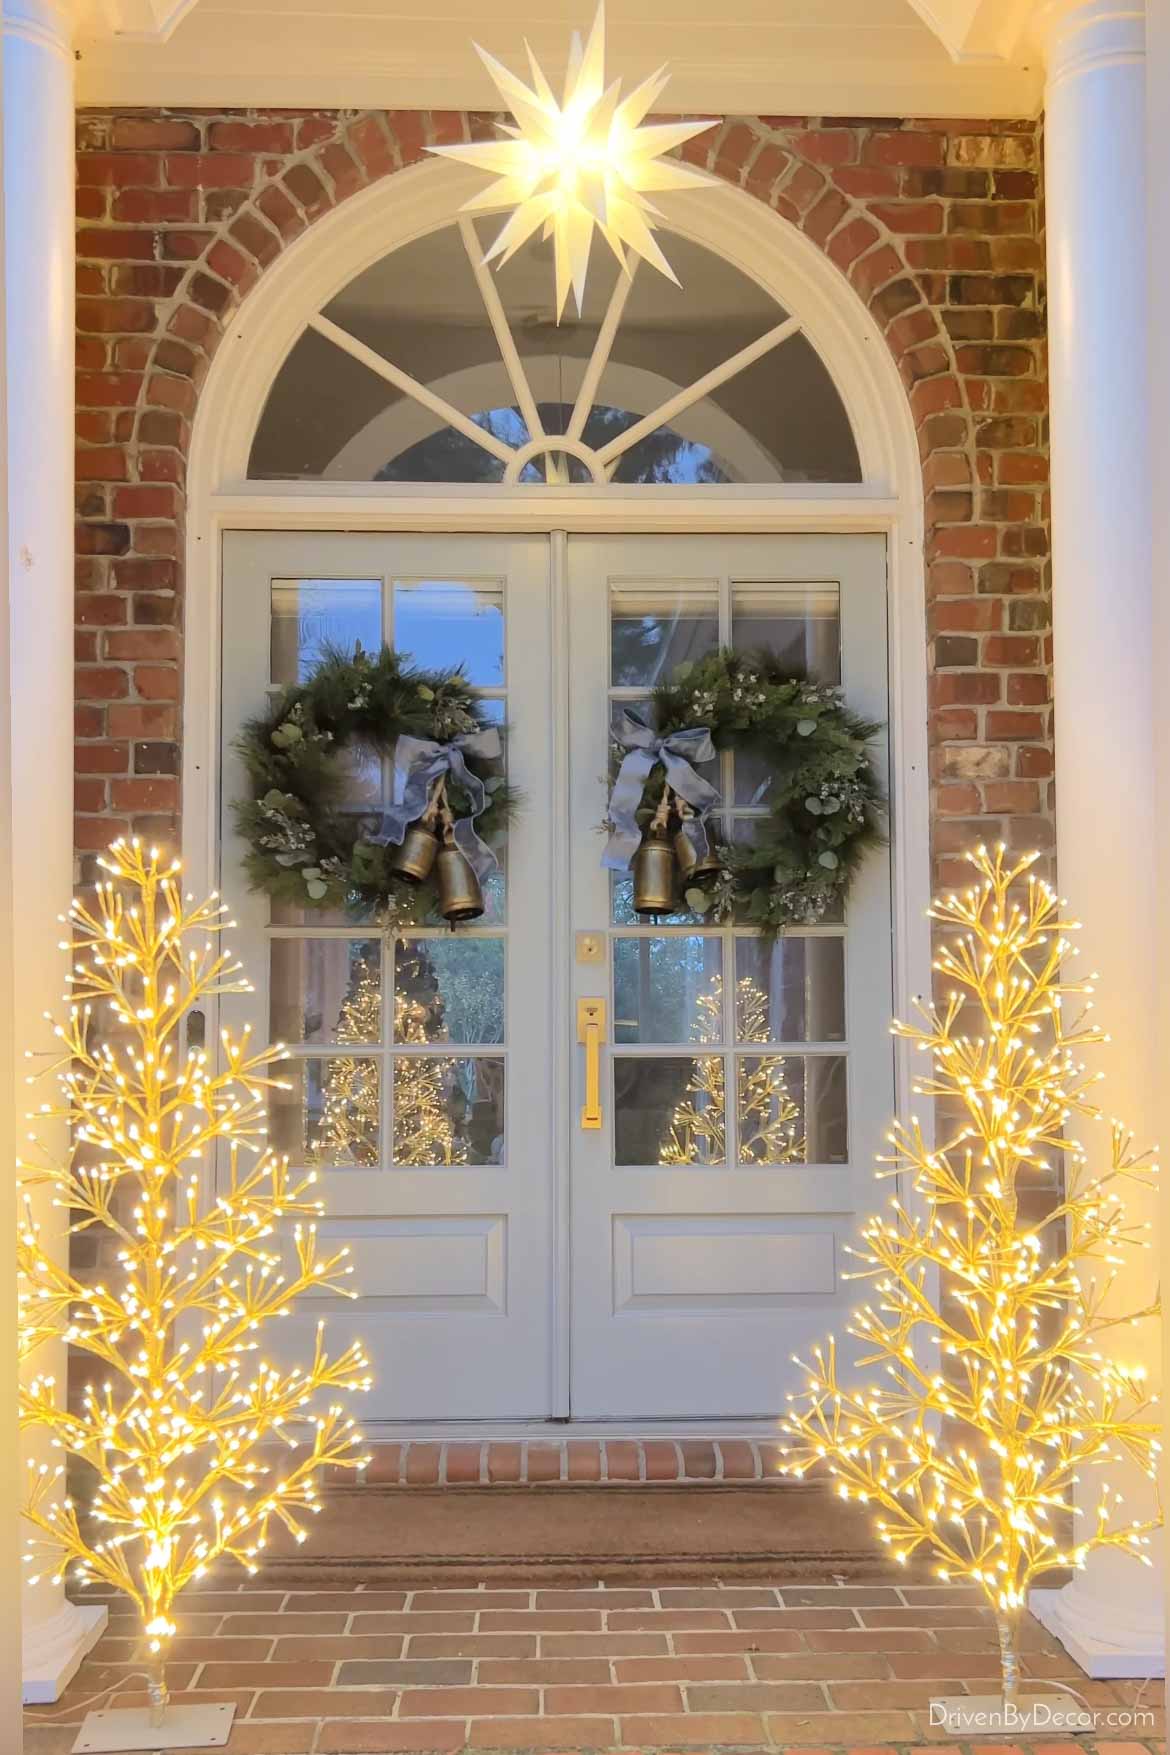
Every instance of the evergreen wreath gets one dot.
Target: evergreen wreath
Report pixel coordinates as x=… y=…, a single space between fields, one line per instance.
x=307 y=845
x=825 y=800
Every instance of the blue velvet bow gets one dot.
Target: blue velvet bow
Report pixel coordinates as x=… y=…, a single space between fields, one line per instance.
x=677 y=753
x=418 y=763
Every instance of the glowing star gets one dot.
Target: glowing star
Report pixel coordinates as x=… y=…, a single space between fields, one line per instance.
x=582 y=163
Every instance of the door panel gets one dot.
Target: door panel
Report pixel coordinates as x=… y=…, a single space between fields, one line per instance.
x=414 y=1064
x=748 y=1086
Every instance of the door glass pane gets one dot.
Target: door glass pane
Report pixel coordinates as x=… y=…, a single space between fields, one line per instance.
x=326 y=990
x=448 y=1111
x=652 y=631
x=668 y=989
x=449 y=990
x=791 y=1108
x=791 y=990
x=311 y=615
x=669 y=1110
x=798 y=624
x=445 y=622
x=331 y=1112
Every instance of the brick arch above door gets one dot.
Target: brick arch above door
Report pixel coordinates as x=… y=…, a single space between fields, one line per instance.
x=937 y=226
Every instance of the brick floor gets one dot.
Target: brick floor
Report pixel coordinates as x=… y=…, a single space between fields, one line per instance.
x=605 y=1461
x=818 y=1668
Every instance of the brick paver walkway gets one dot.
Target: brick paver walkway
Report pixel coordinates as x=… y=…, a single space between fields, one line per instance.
x=815 y=1667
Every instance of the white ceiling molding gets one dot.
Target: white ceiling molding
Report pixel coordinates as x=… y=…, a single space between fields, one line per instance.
x=977 y=30
x=137 y=21
x=770 y=57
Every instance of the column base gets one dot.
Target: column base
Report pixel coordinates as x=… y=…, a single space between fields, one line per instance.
x=1106 y=1646
x=53 y=1650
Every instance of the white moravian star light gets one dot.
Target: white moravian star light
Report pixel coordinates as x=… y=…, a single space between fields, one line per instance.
x=581 y=163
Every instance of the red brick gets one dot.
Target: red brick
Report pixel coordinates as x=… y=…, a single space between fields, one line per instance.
x=650 y=1697
x=543 y=1462
x=206 y=170
x=130 y=643
x=337 y=1737
x=504 y=1462
x=101 y=683
x=459 y=1702
x=101 y=758
x=672 y=1669
x=422 y=1465
x=662 y=1461
x=154 y=683
x=153 y=134
x=463 y=1462
x=154 y=206
x=240 y=137
x=124 y=170
x=906 y=147
x=142 y=721
x=542 y=1733
x=621 y=1460
x=695 y=1727
x=159 y=792
x=584 y=1461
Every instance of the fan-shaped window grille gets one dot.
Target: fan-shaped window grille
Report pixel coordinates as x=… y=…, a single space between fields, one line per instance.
x=430 y=368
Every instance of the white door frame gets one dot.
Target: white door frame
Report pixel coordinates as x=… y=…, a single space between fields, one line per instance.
x=888 y=500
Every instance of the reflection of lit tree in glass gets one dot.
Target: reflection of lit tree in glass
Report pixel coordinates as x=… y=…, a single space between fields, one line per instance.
x=425 y=1131
x=769 y=1119
x=350 y=1101
x=770 y=1130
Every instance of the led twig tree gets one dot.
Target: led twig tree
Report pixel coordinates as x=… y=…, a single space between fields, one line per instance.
x=193 y=1443
x=996 y=1397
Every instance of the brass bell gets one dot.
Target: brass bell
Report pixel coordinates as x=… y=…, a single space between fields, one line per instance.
x=415 y=859
x=654 y=870
x=694 y=866
x=459 y=894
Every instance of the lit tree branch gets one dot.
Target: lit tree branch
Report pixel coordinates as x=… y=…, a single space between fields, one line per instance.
x=995 y=1394
x=182 y=1433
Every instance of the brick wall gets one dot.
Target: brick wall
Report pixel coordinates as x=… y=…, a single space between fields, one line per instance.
x=936 y=224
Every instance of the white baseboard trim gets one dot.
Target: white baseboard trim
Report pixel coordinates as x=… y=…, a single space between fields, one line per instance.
x=1105 y=1646
x=53 y=1649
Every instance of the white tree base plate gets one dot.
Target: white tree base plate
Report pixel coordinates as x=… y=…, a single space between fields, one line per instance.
x=129 y=1728
x=1032 y=1715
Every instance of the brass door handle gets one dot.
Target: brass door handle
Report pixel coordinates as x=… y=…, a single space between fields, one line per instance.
x=591 y=1032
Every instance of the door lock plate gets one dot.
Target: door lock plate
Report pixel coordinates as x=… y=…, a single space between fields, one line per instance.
x=590 y=947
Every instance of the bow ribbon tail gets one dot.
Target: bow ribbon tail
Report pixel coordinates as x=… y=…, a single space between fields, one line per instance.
x=624 y=835
x=464 y=832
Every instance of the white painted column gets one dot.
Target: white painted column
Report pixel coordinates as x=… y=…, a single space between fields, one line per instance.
x=1110 y=1617
x=10 y=1676
x=1158 y=278
x=38 y=198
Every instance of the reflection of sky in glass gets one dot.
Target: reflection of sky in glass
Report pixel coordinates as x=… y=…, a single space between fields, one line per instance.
x=662 y=457
x=442 y=623
x=311 y=615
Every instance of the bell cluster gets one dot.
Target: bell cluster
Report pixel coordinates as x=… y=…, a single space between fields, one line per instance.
x=429 y=846
x=676 y=850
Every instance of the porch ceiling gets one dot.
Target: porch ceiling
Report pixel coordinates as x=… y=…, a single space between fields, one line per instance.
x=800 y=57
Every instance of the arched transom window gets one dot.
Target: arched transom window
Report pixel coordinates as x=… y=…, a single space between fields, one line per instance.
x=428 y=367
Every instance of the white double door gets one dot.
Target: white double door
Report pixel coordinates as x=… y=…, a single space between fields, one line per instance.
x=511 y=1264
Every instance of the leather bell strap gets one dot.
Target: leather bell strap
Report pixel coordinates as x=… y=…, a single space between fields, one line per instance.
x=677 y=753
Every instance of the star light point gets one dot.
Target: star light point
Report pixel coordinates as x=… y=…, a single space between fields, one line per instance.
x=586 y=163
